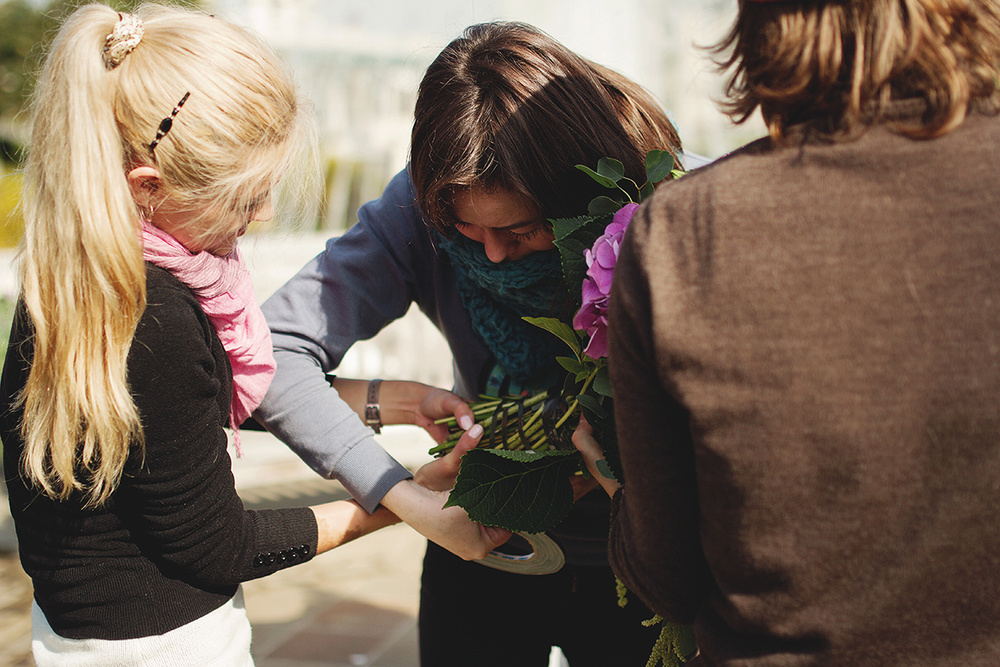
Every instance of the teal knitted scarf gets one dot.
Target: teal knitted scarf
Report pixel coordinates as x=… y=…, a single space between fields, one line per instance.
x=497 y=296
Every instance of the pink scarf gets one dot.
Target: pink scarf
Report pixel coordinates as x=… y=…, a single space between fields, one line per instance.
x=223 y=288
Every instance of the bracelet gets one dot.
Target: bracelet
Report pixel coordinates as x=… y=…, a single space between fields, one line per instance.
x=373 y=415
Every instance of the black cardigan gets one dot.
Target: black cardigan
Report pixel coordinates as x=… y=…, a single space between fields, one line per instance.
x=174 y=541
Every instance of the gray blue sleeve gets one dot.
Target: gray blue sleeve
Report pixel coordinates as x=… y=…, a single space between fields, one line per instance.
x=362 y=281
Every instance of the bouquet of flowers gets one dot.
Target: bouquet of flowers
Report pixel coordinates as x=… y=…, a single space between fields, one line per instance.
x=519 y=476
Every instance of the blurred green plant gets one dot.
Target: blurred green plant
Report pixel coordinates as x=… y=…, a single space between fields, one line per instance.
x=27 y=29
x=11 y=220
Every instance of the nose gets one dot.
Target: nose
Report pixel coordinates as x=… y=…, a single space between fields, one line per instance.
x=497 y=248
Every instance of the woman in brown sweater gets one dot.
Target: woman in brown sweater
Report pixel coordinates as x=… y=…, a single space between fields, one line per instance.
x=805 y=350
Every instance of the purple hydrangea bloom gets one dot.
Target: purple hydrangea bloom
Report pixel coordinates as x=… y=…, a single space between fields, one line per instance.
x=601 y=259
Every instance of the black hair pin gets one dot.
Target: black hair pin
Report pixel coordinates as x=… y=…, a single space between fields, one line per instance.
x=167 y=123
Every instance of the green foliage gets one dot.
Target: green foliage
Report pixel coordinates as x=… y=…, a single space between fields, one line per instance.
x=572 y=237
x=490 y=478
x=675 y=645
x=659 y=165
x=27 y=30
x=11 y=220
x=560 y=329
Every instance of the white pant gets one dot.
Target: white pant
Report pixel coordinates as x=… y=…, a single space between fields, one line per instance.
x=220 y=638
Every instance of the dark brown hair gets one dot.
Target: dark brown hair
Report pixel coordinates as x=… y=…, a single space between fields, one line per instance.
x=505 y=106
x=844 y=60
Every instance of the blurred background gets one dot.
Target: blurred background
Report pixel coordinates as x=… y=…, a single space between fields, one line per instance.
x=359 y=62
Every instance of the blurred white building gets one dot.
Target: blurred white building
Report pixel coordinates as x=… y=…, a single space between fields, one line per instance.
x=360 y=61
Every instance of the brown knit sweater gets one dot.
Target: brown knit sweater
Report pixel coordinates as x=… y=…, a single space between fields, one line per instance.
x=806 y=363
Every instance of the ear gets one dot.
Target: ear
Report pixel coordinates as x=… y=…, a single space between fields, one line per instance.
x=144 y=182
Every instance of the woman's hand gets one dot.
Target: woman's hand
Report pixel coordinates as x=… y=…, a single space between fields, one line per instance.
x=437 y=404
x=440 y=474
x=451 y=528
x=590 y=449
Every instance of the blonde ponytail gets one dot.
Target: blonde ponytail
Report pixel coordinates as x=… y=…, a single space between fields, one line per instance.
x=82 y=273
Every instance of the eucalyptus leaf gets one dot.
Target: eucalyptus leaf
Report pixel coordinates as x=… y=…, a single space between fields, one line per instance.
x=603 y=180
x=611 y=168
x=659 y=164
x=646 y=191
x=604 y=205
x=522 y=491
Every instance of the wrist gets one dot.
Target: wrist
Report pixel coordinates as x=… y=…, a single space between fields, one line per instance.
x=400 y=401
x=373 y=407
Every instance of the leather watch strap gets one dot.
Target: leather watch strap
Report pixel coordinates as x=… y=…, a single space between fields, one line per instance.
x=373 y=414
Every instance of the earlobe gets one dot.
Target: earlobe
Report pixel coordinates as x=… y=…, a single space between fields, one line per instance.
x=144 y=182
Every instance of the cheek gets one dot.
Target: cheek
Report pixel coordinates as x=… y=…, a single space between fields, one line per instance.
x=543 y=241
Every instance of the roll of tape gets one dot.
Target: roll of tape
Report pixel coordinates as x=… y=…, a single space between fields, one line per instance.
x=544 y=557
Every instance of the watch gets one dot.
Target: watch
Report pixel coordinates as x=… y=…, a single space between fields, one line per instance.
x=373 y=415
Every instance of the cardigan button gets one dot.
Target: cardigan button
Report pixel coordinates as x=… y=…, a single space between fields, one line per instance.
x=271 y=558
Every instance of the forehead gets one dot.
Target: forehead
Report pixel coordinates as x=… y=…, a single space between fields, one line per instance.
x=498 y=208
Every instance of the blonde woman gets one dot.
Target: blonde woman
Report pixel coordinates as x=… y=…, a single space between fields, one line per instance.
x=156 y=139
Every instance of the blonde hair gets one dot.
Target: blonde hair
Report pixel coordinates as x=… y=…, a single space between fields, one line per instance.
x=82 y=271
x=845 y=61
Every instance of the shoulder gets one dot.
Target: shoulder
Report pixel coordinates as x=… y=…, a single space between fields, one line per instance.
x=177 y=366
x=173 y=326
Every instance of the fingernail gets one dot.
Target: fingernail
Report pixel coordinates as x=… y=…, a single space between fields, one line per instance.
x=465 y=421
x=476 y=431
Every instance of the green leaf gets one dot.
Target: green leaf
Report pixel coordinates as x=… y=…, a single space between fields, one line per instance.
x=685 y=643
x=658 y=165
x=602 y=383
x=593 y=405
x=571 y=365
x=611 y=168
x=563 y=227
x=605 y=469
x=522 y=491
x=571 y=247
x=646 y=191
x=603 y=180
x=604 y=205
x=563 y=331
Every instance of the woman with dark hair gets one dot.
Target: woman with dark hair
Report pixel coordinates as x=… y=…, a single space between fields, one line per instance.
x=503 y=116
x=806 y=350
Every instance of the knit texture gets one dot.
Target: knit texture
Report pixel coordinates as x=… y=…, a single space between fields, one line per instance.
x=498 y=295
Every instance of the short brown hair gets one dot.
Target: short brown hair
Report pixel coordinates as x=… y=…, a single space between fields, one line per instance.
x=844 y=60
x=505 y=106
